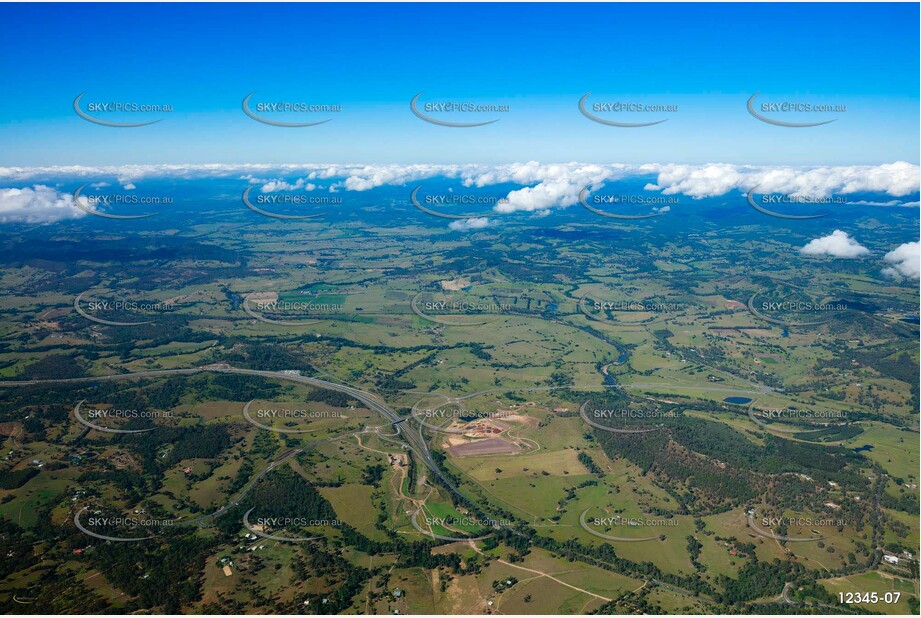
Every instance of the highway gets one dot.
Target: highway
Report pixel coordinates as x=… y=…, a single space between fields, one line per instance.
x=412 y=436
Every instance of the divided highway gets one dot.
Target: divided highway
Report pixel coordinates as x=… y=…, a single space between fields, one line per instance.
x=412 y=436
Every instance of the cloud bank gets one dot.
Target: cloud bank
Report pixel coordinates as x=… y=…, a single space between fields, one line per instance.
x=542 y=186
x=895 y=179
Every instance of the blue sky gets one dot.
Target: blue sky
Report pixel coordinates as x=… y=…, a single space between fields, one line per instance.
x=538 y=59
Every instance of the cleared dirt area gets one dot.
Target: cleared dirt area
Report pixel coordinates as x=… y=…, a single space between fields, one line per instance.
x=490 y=446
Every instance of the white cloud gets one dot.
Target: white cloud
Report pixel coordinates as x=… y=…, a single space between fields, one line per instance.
x=465 y=225
x=697 y=181
x=905 y=260
x=39 y=204
x=712 y=180
x=365 y=177
x=282 y=185
x=836 y=244
x=540 y=186
x=540 y=197
x=898 y=203
x=557 y=185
